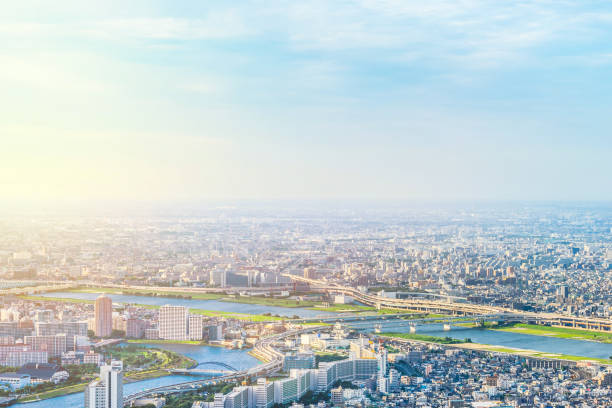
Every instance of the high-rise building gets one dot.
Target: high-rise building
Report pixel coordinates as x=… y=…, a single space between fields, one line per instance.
x=173 y=322
x=382 y=362
x=264 y=393
x=195 y=327
x=135 y=328
x=103 y=316
x=108 y=391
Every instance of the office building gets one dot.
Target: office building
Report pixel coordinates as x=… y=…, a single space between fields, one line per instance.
x=103 y=316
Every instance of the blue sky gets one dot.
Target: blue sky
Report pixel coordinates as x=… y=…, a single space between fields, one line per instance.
x=191 y=100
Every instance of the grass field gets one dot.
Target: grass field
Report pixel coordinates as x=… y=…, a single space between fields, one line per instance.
x=147 y=292
x=531 y=353
x=560 y=332
x=164 y=360
x=423 y=337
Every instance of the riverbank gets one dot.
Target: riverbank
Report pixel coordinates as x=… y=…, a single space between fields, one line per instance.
x=424 y=338
x=161 y=362
x=209 y=313
x=559 y=332
x=413 y=337
x=255 y=300
x=546 y=331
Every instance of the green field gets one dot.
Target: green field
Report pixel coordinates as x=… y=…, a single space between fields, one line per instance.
x=531 y=353
x=425 y=338
x=149 y=292
x=55 y=299
x=159 y=361
x=560 y=332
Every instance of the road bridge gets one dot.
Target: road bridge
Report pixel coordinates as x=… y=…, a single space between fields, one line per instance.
x=459 y=309
x=273 y=362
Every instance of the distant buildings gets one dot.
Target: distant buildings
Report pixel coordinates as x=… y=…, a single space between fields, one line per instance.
x=103 y=315
x=108 y=391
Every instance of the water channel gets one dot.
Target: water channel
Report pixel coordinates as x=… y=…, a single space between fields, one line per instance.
x=217 y=305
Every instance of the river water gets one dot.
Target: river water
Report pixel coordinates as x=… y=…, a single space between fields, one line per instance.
x=196 y=304
x=240 y=359
x=516 y=340
x=236 y=358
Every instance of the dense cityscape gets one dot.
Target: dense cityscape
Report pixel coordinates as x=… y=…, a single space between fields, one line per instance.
x=334 y=308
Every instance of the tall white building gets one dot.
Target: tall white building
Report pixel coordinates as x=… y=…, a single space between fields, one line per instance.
x=173 y=322
x=264 y=393
x=382 y=362
x=195 y=327
x=108 y=391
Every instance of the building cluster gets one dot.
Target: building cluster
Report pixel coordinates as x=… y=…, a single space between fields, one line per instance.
x=532 y=258
x=400 y=373
x=300 y=381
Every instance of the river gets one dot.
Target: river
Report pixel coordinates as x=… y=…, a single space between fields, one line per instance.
x=217 y=305
x=236 y=358
x=516 y=340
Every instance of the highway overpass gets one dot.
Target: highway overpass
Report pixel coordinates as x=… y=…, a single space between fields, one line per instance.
x=459 y=309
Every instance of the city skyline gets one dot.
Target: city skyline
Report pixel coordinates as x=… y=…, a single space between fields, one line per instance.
x=318 y=100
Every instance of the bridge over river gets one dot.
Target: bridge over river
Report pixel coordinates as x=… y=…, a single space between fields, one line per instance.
x=263 y=350
x=457 y=308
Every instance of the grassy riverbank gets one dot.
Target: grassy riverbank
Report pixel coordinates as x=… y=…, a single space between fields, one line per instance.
x=559 y=332
x=210 y=313
x=149 y=292
x=532 y=353
x=156 y=361
x=425 y=338
x=492 y=348
x=274 y=302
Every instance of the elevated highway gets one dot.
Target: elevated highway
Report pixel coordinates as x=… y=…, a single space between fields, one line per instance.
x=460 y=309
x=263 y=350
